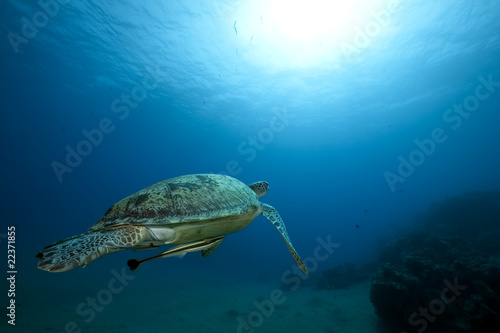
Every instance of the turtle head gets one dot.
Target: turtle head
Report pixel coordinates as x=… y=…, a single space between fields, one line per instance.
x=260 y=188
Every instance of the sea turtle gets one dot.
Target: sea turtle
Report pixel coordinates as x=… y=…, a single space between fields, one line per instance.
x=195 y=211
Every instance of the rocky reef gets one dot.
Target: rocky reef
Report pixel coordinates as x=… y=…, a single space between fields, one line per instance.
x=342 y=276
x=446 y=276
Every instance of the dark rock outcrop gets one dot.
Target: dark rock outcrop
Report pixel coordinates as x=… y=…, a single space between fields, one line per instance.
x=431 y=282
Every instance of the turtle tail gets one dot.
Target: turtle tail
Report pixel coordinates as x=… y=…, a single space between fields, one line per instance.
x=83 y=249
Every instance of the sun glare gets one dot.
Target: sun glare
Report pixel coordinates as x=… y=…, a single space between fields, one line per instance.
x=312 y=19
x=282 y=34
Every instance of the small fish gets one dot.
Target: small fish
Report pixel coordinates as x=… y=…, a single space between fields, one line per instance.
x=206 y=246
x=366 y=210
x=251 y=38
x=357 y=226
x=234 y=26
x=261 y=20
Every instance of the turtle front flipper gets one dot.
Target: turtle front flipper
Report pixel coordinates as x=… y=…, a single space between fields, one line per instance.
x=272 y=215
x=85 y=248
x=206 y=246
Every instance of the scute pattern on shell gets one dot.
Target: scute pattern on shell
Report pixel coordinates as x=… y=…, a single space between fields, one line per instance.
x=182 y=199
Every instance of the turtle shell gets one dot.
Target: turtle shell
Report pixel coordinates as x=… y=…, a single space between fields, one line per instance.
x=182 y=199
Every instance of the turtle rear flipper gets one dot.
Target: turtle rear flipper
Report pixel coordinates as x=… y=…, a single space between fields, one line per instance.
x=85 y=248
x=272 y=215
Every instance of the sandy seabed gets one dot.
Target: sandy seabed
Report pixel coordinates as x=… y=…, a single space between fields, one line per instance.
x=151 y=304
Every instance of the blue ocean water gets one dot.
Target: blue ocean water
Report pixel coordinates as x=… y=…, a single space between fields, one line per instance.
x=359 y=116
